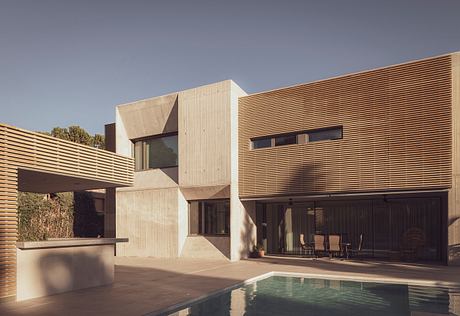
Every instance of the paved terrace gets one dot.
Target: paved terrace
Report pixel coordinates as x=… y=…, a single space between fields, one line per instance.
x=145 y=285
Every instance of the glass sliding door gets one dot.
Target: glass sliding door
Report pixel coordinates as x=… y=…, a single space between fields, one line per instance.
x=391 y=227
x=349 y=219
x=415 y=227
x=285 y=223
x=382 y=229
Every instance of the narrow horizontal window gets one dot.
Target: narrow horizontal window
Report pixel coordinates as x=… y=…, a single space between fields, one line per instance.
x=300 y=137
x=261 y=143
x=325 y=134
x=286 y=140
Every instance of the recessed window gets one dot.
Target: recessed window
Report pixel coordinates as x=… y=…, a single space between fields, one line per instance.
x=325 y=134
x=156 y=152
x=261 y=143
x=301 y=137
x=210 y=217
x=286 y=140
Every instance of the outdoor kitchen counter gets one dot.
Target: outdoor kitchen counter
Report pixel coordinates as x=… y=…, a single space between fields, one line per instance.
x=60 y=265
x=68 y=242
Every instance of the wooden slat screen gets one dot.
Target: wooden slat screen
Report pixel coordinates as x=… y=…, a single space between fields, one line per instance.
x=21 y=148
x=396 y=127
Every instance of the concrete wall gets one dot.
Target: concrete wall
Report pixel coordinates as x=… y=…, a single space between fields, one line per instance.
x=149 y=218
x=204 y=135
x=149 y=117
x=182 y=221
x=242 y=217
x=154 y=213
x=48 y=271
x=209 y=247
x=148 y=212
x=453 y=220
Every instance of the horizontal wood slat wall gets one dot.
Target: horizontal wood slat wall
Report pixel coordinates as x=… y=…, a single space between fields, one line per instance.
x=24 y=149
x=396 y=126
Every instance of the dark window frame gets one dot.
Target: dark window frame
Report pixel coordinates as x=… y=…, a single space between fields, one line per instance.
x=319 y=130
x=253 y=140
x=202 y=218
x=285 y=136
x=301 y=137
x=143 y=150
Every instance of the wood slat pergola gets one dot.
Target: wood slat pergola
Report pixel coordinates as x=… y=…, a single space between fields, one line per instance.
x=35 y=162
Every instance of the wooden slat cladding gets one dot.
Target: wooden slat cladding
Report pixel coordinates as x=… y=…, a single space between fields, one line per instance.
x=23 y=149
x=396 y=133
x=8 y=222
x=43 y=153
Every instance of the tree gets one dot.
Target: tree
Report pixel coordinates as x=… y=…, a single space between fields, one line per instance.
x=98 y=141
x=77 y=134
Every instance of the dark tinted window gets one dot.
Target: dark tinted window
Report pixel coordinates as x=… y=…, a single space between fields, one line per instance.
x=261 y=143
x=325 y=134
x=156 y=152
x=209 y=217
x=286 y=140
x=161 y=152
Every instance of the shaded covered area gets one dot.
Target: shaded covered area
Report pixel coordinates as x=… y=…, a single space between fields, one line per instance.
x=33 y=162
x=38 y=181
x=88 y=211
x=399 y=227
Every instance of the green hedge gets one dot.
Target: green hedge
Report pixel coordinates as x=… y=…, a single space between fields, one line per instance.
x=43 y=216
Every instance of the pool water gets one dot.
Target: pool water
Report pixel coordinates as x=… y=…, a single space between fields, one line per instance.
x=279 y=295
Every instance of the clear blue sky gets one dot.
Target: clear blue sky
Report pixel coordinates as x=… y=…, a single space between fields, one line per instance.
x=70 y=62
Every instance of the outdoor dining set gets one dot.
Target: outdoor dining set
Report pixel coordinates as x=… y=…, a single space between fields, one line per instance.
x=329 y=245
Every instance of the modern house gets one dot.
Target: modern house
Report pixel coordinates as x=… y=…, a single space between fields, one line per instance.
x=373 y=157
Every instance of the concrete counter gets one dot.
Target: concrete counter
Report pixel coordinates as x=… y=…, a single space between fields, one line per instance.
x=61 y=265
x=68 y=242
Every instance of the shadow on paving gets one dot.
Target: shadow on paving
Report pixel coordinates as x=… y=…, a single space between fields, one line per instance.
x=139 y=290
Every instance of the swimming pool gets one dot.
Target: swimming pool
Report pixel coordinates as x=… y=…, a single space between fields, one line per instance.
x=292 y=295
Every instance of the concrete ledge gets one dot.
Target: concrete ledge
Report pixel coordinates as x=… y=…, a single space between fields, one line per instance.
x=68 y=242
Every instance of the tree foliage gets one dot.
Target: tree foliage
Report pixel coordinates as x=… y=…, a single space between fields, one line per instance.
x=43 y=216
x=78 y=135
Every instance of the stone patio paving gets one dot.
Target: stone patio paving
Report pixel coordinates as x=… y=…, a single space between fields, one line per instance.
x=146 y=285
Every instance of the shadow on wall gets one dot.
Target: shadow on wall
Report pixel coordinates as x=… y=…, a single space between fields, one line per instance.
x=221 y=243
x=87 y=222
x=44 y=272
x=172 y=122
x=454 y=250
x=454 y=254
x=248 y=232
x=306 y=179
x=66 y=272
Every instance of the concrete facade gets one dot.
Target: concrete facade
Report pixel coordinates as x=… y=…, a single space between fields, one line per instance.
x=153 y=213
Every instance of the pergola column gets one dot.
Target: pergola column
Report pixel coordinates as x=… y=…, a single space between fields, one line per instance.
x=8 y=227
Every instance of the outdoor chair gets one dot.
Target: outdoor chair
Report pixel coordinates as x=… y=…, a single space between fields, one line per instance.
x=305 y=247
x=334 y=245
x=319 y=245
x=357 y=252
x=412 y=244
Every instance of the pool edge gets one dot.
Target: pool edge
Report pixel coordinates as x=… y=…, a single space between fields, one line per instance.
x=179 y=306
